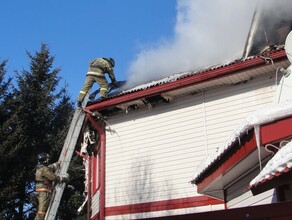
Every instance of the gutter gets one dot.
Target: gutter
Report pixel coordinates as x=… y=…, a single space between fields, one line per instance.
x=204 y=76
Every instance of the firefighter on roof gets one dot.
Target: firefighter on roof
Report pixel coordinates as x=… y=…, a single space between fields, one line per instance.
x=96 y=73
x=45 y=177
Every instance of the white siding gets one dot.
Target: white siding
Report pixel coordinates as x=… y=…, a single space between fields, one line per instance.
x=227 y=107
x=95 y=204
x=247 y=199
x=151 y=154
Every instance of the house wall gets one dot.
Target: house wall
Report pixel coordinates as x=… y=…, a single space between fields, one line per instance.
x=247 y=199
x=151 y=154
x=95 y=203
x=284 y=89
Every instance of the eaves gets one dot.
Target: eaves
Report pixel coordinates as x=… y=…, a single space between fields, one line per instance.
x=189 y=79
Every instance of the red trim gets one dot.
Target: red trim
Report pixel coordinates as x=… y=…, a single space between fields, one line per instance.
x=231 y=69
x=190 y=202
x=223 y=168
x=162 y=205
x=275 y=211
x=89 y=193
x=276 y=130
x=268 y=133
x=102 y=166
x=81 y=155
x=279 y=179
x=96 y=173
x=95 y=176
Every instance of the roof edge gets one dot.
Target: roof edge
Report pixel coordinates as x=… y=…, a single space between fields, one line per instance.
x=206 y=75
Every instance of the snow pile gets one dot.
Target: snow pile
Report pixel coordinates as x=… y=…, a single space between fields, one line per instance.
x=267 y=114
x=280 y=163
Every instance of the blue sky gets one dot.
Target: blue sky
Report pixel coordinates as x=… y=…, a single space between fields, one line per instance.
x=78 y=31
x=149 y=39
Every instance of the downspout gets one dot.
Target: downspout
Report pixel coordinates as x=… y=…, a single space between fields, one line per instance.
x=101 y=132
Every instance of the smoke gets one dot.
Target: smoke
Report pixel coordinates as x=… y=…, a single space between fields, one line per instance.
x=271 y=25
x=206 y=32
x=280 y=9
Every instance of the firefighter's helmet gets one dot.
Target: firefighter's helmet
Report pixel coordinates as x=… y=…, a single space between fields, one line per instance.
x=43 y=158
x=111 y=61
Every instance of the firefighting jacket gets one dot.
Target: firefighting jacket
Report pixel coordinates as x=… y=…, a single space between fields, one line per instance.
x=45 y=176
x=99 y=67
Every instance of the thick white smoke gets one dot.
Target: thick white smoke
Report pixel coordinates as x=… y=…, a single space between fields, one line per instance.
x=207 y=32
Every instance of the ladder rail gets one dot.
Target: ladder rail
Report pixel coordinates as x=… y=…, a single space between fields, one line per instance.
x=71 y=143
x=65 y=159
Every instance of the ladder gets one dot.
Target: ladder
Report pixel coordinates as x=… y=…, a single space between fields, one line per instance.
x=65 y=159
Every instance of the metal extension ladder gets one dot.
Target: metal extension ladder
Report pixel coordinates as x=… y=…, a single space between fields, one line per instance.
x=65 y=159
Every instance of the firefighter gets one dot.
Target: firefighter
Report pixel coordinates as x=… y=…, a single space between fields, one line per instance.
x=96 y=73
x=45 y=177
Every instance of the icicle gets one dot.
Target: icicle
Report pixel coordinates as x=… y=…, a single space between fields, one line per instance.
x=258 y=141
x=239 y=141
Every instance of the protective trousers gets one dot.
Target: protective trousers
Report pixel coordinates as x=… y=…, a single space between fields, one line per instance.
x=43 y=204
x=90 y=79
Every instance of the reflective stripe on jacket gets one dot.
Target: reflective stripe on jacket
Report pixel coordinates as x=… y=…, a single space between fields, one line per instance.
x=43 y=190
x=45 y=176
x=91 y=73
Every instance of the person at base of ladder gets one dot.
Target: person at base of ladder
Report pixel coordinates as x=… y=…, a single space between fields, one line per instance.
x=44 y=177
x=96 y=73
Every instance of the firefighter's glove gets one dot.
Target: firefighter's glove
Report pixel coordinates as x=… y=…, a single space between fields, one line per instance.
x=57 y=165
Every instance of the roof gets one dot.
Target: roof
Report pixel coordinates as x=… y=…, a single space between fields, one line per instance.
x=281 y=163
x=182 y=75
x=185 y=80
x=263 y=116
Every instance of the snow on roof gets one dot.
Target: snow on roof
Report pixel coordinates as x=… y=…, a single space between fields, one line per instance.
x=279 y=164
x=268 y=114
x=161 y=81
x=127 y=89
x=182 y=75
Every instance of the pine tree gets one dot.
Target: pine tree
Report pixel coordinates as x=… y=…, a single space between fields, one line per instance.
x=5 y=131
x=38 y=119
